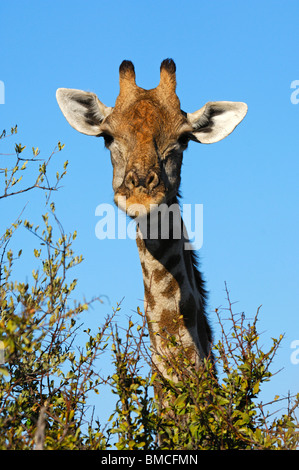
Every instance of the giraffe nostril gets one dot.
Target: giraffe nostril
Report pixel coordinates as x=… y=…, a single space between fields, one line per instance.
x=131 y=180
x=152 y=180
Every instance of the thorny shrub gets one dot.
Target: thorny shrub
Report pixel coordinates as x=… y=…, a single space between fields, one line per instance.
x=46 y=377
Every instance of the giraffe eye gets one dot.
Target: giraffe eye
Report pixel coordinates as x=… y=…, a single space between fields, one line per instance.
x=108 y=139
x=184 y=139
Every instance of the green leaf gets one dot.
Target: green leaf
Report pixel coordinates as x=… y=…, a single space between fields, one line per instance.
x=19 y=148
x=256 y=388
x=181 y=400
x=4 y=371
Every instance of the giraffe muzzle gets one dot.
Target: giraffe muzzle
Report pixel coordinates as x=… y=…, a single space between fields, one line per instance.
x=149 y=182
x=139 y=194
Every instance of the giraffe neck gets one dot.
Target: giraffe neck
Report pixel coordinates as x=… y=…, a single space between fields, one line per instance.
x=174 y=296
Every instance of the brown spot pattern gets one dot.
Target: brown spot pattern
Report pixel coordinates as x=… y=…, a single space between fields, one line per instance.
x=140 y=244
x=173 y=286
x=144 y=269
x=170 y=323
x=159 y=274
x=149 y=298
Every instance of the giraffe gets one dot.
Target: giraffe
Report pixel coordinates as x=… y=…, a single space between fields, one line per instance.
x=147 y=132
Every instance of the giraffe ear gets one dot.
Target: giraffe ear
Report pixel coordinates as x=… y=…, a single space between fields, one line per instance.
x=83 y=110
x=216 y=120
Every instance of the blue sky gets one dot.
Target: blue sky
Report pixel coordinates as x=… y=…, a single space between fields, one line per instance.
x=247 y=183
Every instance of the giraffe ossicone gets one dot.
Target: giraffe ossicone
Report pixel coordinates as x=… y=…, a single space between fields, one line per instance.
x=147 y=132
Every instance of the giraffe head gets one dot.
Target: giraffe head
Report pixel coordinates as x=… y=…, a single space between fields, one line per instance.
x=146 y=132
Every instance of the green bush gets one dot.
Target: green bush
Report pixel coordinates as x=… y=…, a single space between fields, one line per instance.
x=48 y=374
